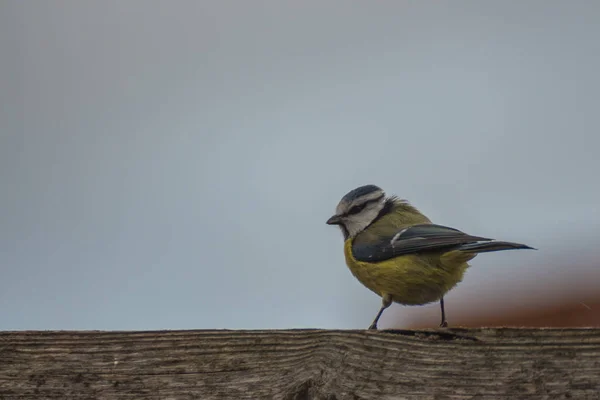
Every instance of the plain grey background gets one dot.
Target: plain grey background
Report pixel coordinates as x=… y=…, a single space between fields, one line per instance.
x=171 y=165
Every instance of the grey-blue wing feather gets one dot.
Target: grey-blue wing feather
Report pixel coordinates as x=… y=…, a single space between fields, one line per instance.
x=415 y=239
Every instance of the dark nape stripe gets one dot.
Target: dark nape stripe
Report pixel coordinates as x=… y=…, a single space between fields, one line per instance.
x=387 y=207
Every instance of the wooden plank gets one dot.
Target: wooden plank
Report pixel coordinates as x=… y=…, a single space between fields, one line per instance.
x=302 y=364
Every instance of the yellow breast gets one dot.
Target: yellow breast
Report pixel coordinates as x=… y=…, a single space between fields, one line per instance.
x=410 y=279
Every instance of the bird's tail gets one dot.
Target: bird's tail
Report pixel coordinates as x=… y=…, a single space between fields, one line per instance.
x=486 y=247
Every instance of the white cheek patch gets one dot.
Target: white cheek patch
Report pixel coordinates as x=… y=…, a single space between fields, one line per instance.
x=358 y=222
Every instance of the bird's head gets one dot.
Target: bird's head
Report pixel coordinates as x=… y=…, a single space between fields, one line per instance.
x=358 y=209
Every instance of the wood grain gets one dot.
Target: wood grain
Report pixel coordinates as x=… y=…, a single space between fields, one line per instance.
x=302 y=364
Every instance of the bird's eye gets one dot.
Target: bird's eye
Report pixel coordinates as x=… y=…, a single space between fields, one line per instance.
x=357 y=209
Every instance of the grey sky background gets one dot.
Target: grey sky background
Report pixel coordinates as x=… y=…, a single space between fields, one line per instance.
x=170 y=165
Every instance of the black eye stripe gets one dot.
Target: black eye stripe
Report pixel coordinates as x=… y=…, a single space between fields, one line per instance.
x=358 y=208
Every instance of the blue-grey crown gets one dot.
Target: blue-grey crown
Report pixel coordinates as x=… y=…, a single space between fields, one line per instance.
x=359 y=192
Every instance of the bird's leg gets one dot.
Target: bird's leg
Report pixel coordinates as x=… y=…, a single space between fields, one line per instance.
x=386 y=301
x=444 y=323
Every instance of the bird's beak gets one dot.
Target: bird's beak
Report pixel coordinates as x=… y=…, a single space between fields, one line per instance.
x=335 y=220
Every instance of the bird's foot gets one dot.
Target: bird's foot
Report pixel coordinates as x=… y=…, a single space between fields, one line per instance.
x=444 y=324
x=373 y=327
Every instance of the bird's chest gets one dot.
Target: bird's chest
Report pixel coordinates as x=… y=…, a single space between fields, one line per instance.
x=368 y=274
x=410 y=279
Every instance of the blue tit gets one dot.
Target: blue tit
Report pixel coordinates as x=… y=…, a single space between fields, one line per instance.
x=395 y=251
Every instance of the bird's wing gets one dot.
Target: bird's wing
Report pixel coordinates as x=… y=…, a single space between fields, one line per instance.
x=414 y=239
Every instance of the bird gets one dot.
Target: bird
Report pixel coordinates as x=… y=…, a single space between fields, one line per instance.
x=399 y=254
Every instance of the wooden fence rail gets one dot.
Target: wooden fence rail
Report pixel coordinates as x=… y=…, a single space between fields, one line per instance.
x=453 y=364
